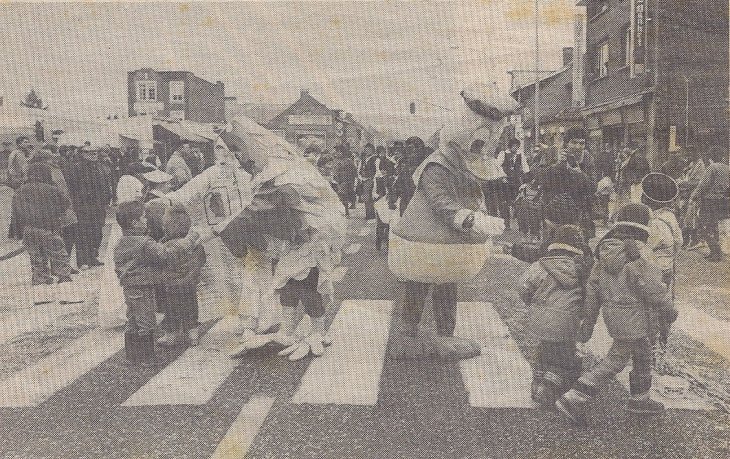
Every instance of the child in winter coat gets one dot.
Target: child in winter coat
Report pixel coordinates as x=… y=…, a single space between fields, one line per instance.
x=630 y=291
x=553 y=287
x=138 y=261
x=527 y=207
x=665 y=236
x=179 y=279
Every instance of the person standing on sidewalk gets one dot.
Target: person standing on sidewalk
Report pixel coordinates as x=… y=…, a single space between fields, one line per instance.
x=90 y=190
x=39 y=206
x=68 y=219
x=368 y=171
x=713 y=197
x=344 y=174
x=17 y=169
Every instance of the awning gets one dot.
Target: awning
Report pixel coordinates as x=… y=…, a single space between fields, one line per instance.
x=616 y=104
x=182 y=132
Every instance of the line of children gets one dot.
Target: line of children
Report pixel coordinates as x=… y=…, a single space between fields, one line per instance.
x=553 y=287
x=143 y=264
x=628 y=288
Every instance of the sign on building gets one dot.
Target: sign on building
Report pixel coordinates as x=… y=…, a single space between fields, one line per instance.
x=638 y=25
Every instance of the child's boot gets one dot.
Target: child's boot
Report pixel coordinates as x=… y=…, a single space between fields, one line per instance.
x=537 y=376
x=146 y=343
x=573 y=403
x=640 y=402
x=547 y=391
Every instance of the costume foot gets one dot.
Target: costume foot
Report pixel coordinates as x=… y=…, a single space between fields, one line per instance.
x=410 y=347
x=453 y=348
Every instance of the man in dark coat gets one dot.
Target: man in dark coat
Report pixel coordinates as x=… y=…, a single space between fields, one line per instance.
x=91 y=192
x=344 y=174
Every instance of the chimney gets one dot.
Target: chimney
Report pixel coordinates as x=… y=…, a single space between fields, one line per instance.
x=567 y=55
x=304 y=92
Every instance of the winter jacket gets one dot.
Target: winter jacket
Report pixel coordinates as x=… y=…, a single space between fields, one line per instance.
x=665 y=238
x=629 y=290
x=139 y=259
x=444 y=190
x=368 y=168
x=559 y=179
x=90 y=190
x=69 y=216
x=344 y=171
x=714 y=183
x=17 y=168
x=182 y=268
x=552 y=289
x=40 y=205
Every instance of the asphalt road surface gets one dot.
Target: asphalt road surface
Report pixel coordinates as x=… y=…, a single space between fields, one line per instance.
x=354 y=402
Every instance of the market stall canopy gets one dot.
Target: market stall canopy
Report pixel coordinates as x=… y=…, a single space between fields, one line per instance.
x=180 y=131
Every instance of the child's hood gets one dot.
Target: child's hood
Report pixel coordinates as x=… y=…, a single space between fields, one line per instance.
x=615 y=253
x=563 y=269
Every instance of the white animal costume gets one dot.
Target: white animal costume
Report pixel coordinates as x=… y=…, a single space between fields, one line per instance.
x=296 y=218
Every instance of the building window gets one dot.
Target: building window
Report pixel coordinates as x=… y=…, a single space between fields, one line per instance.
x=177 y=115
x=177 y=91
x=147 y=90
x=595 y=8
x=602 y=60
x=626 y=46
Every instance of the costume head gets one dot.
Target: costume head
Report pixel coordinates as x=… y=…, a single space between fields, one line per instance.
x=476 y=128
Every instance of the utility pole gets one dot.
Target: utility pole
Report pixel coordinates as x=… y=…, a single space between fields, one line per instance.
x=537 y=76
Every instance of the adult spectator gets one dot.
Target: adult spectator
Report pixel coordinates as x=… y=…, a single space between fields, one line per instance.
x=577 y=155
x=689 y=210
x=68 y=220
x=713 y=196
x=606 y=162
x=674 y=165
x=414 y=154
x=632 y=168
x=567 y=193
x=151 y=157
x=514 y=166
x=344 y=175
x=17 y=169
x=5 y=155
x=39 y=206
x=385 y=173
x=178 y=167
x=368 y=170
x=90 y=190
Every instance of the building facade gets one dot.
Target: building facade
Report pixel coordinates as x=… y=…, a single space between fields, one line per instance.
x=656 y=74
x=176 y=95
x=311 y=125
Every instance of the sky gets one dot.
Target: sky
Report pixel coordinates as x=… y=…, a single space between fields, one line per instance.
x=368 y=58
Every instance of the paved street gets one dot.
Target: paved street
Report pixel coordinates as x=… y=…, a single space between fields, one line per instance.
x=80 y=399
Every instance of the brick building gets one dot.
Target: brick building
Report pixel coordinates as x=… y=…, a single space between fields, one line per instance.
x=656 y=73
x=176 y=95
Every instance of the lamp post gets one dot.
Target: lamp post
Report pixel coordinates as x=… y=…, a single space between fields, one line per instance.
x=537 y=75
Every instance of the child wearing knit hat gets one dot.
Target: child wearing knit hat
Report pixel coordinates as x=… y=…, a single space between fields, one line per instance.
x=553 y=287
x=629 y=290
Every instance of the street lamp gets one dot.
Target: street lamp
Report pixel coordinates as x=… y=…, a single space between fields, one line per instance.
x=537 y=73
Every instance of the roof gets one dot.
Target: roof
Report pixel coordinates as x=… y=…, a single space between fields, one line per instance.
x=553 y=74
x=305 y=101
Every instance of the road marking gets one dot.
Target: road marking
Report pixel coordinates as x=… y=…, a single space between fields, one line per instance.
x=349 y=371
x=599 y=345
x=339 y=273
x=352 y=249
x=702 y=327
x=35 y=384
x=501 y=376
x=365 y=232
x=240 y=435
x=195 y=375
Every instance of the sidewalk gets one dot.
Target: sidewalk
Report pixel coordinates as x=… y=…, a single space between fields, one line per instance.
x=8 y=247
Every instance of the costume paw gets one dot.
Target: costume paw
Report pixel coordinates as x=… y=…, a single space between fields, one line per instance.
x=410 y=347
x=296 y=351
x=451 y=347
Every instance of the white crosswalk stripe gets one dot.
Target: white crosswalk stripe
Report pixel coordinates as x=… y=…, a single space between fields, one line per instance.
x=195 y=375
x=599 y=345
x=35 y=384
x=240 y=435
x=349 y=371
x=501 y=376
x=704 y=328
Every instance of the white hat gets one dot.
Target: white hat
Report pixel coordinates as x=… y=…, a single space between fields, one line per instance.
x=157 y=176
